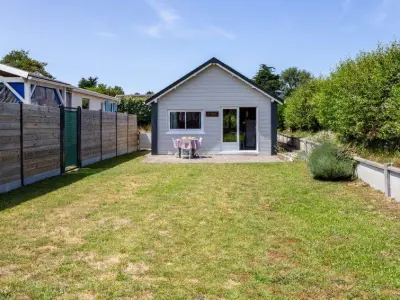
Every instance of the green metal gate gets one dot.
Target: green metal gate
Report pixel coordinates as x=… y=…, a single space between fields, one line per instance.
x=71 y=138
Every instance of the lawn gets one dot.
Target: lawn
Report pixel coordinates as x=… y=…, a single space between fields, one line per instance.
x=124 y=229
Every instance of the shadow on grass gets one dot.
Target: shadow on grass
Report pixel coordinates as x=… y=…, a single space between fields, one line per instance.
x=23 y=194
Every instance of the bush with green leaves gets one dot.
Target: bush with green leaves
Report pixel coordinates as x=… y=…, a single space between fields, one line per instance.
x=329 y=162
x=361 y=98
x=136 y=106
x=301 y=109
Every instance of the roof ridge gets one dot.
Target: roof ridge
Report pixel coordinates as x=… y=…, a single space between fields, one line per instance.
x=203 y=66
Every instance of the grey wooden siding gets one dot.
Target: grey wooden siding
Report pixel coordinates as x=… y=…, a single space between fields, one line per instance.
x=209 y=91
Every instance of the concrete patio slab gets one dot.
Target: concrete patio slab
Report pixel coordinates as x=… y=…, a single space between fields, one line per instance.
x=212 y=159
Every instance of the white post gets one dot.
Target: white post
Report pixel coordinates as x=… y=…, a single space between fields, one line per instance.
x=386 y=175
x=64 y=95
x=27 y=92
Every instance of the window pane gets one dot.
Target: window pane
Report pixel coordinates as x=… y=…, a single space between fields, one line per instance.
x=6 y=95
x=177 y=120
x=230 y=123
x=107 y=106
x=44 y=96
x=69 y=99
x=193 y=120
x=85 y=103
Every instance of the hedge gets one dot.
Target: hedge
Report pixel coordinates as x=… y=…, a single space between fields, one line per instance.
x=359 y=100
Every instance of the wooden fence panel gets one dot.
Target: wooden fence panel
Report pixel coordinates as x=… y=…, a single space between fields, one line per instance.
x=122 y=133
x=10 y=146
x=109 y=143
x=103 y=135
x=90 y=136
x=41 y=139
x=132 y=133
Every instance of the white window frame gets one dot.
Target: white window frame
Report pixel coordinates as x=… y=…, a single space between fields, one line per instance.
x=185 y=131
x=87 y=98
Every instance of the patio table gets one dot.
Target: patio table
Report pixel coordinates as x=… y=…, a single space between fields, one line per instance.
x=191 y=144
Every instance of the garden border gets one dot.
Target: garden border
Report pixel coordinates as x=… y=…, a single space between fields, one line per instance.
x=382 y=177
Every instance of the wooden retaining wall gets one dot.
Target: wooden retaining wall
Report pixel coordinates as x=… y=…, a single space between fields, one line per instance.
x=103 y=135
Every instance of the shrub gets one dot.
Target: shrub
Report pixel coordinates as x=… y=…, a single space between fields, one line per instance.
x=328 y=162
x=136 y=106
x=300 y=112
x=361 y=98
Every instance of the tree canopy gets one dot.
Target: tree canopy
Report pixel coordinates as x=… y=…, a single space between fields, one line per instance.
x=301 y=107
x=359 y=100
x=293 y=77
x=91 y=83
x=20 y=59
x=266 y=78
x=136 y=106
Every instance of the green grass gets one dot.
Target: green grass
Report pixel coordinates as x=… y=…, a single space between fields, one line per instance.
x=377 y=155
x=124 y=229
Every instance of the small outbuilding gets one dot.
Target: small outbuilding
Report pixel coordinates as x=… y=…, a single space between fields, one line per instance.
x=17 y=85
x=231 y=113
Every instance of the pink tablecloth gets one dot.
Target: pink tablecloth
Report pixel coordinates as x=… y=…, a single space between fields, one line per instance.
x=188 y=144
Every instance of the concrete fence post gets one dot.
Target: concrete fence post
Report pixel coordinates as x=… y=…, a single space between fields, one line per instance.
x=386 y=175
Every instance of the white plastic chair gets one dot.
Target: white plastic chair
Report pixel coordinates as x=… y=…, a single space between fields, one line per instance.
x=196 y=153
x=176 y=147
x=186 y=148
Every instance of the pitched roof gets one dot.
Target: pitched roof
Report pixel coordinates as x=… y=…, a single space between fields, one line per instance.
x=217 y=62
x=41 y=77
x=29 y=75
x=92 y=93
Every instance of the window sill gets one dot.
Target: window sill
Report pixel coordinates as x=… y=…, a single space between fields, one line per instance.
x=185 y=132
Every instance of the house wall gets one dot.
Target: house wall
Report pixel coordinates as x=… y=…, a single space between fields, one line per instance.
x=94 y=103
x=211 y=90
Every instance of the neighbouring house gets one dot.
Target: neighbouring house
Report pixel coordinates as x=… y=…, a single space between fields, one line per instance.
x=231 y=113
x=33 y=88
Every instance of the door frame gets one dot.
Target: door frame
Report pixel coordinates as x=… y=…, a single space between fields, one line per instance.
x=238 y=151
x=237 y=127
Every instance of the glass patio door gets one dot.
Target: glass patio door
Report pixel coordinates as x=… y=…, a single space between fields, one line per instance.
x=230 y=136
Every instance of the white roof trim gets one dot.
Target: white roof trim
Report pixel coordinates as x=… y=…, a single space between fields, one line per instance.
x=47 y=82
x=11 y=89
x=215 y=64
x=95 y=94
x=14 y=71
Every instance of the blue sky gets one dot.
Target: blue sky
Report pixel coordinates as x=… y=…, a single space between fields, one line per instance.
x=145 y=45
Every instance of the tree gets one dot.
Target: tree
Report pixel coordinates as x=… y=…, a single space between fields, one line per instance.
x=150 y=93
x=108 y=90
x=266 y=78
x=361 y=98
x=20 y=59
x=136 y=106
x=301 y=107
x=90 y=82
x=293 y=77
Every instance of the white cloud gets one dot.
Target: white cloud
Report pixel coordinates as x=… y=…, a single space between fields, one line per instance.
x=153 y=31
x=384 y=10
x=222 y=32
x=170 y=23
x=167 y=15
